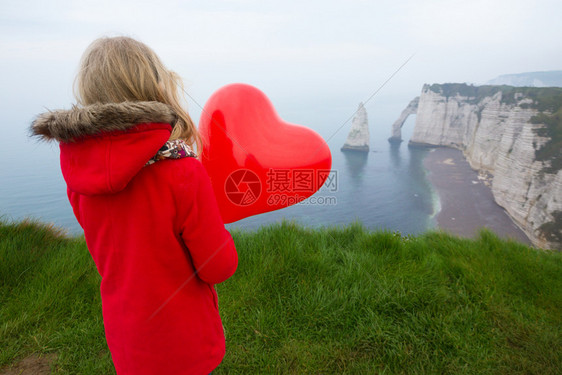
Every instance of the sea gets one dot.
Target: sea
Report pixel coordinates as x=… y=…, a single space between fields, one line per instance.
x=386 y=188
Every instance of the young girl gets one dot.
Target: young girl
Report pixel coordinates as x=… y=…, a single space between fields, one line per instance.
x=146 y=205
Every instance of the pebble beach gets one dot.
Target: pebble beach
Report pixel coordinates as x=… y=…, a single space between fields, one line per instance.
x=466 y=199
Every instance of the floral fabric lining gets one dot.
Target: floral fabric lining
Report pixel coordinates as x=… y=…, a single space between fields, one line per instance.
x=175 y=149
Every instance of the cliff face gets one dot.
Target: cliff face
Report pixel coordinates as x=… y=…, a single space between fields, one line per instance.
x=358 y=137
x=500 y=131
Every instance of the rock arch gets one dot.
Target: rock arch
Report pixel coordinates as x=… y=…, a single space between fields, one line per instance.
x=411 y=109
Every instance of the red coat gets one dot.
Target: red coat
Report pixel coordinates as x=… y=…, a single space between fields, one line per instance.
x=156 y=237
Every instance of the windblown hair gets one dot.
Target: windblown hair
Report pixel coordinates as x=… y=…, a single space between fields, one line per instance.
x=122 y=69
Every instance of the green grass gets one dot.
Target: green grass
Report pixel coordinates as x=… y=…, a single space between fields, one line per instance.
x=325 y=301
x=545 y=99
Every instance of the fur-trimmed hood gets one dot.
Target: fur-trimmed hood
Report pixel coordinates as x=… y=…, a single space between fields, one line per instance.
x=104 y=146
x=78 y=122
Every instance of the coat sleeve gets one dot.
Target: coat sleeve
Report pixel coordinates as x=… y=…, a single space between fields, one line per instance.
x=210 y=245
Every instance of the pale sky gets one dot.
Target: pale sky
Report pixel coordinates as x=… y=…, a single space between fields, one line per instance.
x=296 y=51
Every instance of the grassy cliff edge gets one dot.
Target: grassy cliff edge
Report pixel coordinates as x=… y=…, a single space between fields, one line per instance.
x=331 y=301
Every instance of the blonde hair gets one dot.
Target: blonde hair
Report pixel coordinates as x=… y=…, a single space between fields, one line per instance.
x=119 y=69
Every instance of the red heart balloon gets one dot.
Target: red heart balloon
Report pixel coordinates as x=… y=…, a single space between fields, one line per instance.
x=256 y=161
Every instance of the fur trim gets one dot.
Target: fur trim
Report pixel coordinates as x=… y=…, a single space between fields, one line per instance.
x=68 y=125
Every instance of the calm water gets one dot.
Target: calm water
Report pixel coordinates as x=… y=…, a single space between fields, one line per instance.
x=385 y=188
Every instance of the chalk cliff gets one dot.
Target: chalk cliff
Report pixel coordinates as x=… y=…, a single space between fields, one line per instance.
x=512 y=133
x=358 y=137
